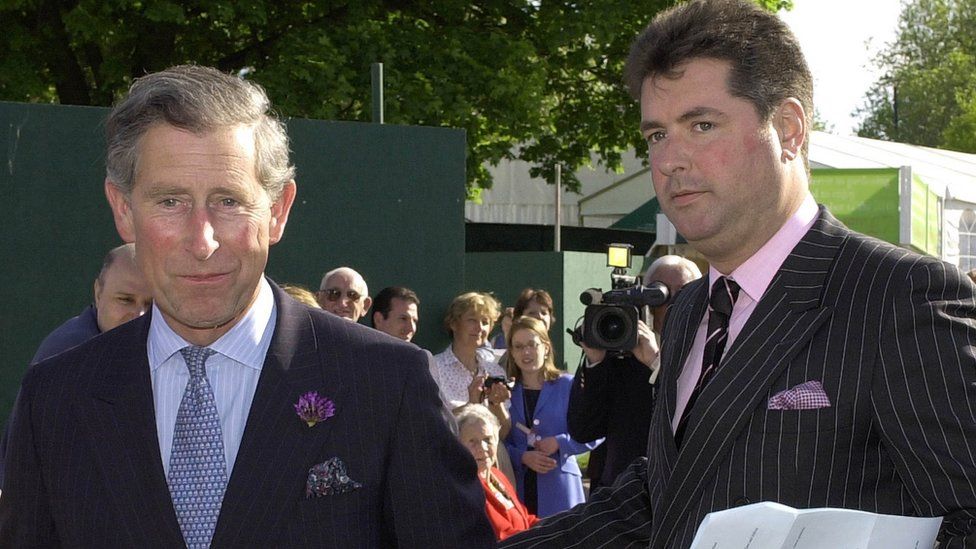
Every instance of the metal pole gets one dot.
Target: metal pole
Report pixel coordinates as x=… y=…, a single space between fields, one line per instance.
x=559 y=206
x=377 y=80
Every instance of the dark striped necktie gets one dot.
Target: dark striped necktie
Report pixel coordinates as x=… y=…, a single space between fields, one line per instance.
x=724 y=293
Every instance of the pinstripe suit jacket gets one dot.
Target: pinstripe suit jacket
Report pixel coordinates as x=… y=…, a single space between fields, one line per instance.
x=84 y=468
x=891 y=336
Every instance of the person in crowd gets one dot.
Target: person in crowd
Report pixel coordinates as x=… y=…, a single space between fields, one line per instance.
x=343 y=292
x=537 y=304
x=301 y=294
x=466 y=371
x=478 y=431
x=504 y=323
x=462 y=370
x=395 y=312
x=542 y=451
x=675 y=272
x=121 y=294
x=613 y=396
x=813 y=366
x=137 y=438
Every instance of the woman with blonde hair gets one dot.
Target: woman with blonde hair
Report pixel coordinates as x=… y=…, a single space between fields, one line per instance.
x=542 y=452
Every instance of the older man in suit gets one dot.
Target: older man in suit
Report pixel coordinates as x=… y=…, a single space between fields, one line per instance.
x=814 y=366
x=231 y=415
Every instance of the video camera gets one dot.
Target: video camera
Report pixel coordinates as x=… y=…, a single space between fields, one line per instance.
x=610 y=319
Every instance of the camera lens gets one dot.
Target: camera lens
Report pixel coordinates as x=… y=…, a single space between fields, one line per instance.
x=612 y=327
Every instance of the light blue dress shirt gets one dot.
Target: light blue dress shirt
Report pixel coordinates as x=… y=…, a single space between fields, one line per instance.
x=233 y=372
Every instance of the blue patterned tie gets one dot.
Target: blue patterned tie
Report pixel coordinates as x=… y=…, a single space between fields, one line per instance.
x=197 y=471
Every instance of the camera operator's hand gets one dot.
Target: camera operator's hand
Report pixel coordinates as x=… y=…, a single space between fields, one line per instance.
x=593 y=356
x=476 y=389
x=547 y=446
x=538 y=462
x=647 y=348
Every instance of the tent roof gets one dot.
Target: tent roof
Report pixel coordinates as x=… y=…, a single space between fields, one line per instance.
x=949 y=173
x=644 y=218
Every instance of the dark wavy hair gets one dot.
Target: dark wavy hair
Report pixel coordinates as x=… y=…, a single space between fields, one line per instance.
x=767 y=65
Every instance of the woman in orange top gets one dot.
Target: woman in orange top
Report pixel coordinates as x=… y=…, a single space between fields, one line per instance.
x=478 y=431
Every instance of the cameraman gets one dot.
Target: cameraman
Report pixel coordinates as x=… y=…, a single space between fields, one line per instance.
x=613 y=396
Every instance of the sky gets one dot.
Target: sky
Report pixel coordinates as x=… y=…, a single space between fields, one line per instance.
x=840 y=38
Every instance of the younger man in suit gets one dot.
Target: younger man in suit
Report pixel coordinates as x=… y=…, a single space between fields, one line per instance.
x=231 y=415
x=814 y=366
x=395 y=312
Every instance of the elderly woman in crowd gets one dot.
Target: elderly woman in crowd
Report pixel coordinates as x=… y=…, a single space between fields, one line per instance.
x=478 y=432
x=542 y=452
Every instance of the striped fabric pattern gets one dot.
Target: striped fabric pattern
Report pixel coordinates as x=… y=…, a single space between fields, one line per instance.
x=84 y=467
x=891 y=338
x=722 y=298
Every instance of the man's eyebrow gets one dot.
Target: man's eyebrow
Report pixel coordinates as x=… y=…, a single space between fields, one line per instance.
x=164 y=190
x=695 y=112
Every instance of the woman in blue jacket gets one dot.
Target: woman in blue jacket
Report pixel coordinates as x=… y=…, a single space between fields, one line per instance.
x=543 y=454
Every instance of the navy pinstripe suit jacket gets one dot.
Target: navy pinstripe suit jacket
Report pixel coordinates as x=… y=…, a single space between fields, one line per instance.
x=891 y=336
x=84 y=469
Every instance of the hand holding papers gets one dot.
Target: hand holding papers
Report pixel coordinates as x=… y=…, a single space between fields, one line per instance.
x=769 y=525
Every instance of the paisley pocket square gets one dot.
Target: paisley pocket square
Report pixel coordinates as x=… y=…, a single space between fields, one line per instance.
x=805 y=396
x=329 y=478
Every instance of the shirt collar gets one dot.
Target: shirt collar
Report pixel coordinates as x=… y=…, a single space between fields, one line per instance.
x=481 y=355
x=246 y=342
x=757 y=272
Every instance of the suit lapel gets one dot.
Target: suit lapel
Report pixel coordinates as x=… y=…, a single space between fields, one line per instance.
x=518 y=406
x=687 y=313
x=122 y=424
x=545 y=395
x=783 y=322
x=272 y=465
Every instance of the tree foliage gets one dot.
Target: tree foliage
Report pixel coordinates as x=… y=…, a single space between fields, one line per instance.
x=536 y=80
x=927 y=95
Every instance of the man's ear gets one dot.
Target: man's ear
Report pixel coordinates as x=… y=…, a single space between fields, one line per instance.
x=121 y=211
x=790 y=123
x=280 y=210
x=367 y=303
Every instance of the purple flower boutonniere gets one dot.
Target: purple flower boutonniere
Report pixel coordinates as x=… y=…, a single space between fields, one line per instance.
x=313 y=408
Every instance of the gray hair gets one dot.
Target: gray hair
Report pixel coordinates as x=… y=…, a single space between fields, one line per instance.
x=196 y=99
x=357 y=279
x=472 y=412
x=691 y=270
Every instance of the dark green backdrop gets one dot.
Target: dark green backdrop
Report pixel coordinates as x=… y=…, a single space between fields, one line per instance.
x=385 y=200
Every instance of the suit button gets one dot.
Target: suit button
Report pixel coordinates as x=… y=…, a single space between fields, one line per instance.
x=741 y=501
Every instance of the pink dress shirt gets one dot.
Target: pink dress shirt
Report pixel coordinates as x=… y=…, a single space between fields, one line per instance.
x=753 y=277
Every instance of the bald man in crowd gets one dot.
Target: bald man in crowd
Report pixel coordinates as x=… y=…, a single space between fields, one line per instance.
x=121 y=294
x=343 y=292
